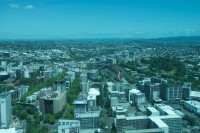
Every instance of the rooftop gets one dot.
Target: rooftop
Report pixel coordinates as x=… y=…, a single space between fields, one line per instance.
x=195 y=94
x=80 y=101
x=85 y=115
x=196 y=104
x=94 y=91
x=158 y=122
x=135 y=91
x=152 y=109
x=4 y=94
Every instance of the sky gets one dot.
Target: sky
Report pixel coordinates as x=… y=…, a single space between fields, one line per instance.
x=84 y=19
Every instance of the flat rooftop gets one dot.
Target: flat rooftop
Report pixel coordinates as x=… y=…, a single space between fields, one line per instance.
x=80 y=101
x=155 y=130
x=152 y=109
x=196 y=104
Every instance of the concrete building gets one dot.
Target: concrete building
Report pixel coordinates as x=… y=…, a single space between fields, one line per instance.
x=152 y=111
x=186 y=91
x=4 y=75
x=119 y=110
x=5 y=109
x=22 y=90
x=48 y=74
x=193 y=106
x=91 y=65
x=140 y=124
x=119 y=95
x=59 y=85
x=52 y=102
x=89 y=120
x=171 y=92
x=85 y=87
x=158 y=80
x=80 y=106
x=152 y=91
x=91 y=102
x=136 y=97
x=195 y=95
x=68 y=126
x=25 y=73
x=83 y=77
x=71 y=75
x=93 y=75
x=169 y=116
x=39 y=79
x=111 y=60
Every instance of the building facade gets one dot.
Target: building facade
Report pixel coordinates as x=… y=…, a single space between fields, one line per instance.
x=5 y=109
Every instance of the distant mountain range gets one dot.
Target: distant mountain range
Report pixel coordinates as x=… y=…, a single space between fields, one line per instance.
x=162 y=39
x=178 y=39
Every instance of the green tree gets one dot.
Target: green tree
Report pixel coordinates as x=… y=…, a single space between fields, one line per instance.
x=49 y=119
x=44 y=129
x=22 y=115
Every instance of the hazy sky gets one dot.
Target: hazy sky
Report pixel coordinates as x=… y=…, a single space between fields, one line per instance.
x=60 y=19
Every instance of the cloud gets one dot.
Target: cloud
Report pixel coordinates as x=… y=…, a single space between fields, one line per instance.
x=11 y=5
x=29 y=7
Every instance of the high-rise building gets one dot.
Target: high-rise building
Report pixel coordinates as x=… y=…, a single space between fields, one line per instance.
x=83 y=77
x=152 y=91
x=186 y=91
x=48 y=74
x=85 y=87
x=171 y=92
x=5 y=109
x=52 y=102
x=93 y=75
x=136 y=97
x=25 y=73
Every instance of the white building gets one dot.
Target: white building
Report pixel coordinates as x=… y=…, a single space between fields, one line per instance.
x=68 y=126
x=136 y=97
x=5 y=109
x=195 y=95
x=193 y=106
x=151 y=111
x=91 y=102
x=25 y=73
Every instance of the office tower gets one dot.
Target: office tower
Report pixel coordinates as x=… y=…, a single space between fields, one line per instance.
x=186 y=91
x=152 y=91
x=83 y=77
x=171 y=92
x=52 y=102
x=85 y=87
x=5 y=109
x=136 y=97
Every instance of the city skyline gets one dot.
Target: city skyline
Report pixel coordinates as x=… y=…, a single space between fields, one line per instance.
x=77 y=19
